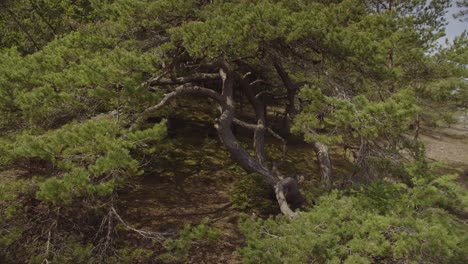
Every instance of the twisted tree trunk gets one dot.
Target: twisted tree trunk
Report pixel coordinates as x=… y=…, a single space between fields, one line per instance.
x=323 y=158
x=286 y=190
x=321 y=150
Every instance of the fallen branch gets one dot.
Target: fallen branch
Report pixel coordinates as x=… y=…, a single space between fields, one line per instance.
x=157 y=236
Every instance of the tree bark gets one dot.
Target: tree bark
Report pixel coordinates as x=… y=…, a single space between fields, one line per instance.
x=323 y=159
x=291 y=87
x=182 y=80
x=244 y=159
x=260 y=114
x=284 y=188
x=321 y=150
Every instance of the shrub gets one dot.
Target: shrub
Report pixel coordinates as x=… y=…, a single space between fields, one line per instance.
x=180 y=248
x=381 y=223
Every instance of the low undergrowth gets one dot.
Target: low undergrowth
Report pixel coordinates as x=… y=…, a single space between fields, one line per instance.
x=385 y=222
x=252 y=193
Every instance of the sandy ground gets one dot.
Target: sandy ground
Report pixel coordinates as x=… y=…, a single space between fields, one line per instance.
x=449 y=145
x=448 y=150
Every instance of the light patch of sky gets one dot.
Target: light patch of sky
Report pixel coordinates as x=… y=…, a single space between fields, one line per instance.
x=455 y=27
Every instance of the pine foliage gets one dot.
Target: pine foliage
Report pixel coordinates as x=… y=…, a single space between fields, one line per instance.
x=380 y=223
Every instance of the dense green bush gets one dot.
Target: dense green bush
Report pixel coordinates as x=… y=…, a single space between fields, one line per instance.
x=381 y=223
x=68 y=173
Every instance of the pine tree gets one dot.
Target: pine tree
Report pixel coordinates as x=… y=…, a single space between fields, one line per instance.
x=80 y=83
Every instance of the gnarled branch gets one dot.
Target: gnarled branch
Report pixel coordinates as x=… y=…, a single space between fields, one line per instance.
x=224 y=127
x=321 y=150
x=181 y=90
x=196 y=77
x=245 y=124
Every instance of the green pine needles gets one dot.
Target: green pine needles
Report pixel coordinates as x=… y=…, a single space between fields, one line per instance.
x=380 y=223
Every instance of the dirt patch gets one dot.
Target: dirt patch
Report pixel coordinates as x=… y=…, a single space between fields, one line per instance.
x=450 y=146
x=447 y=145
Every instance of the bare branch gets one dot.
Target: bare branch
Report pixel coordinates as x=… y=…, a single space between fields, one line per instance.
x=196 y=77
x=181 y=90
x=262 y=93
x=108 y=237
x=275 y=135
x=245 y=124
x=287 y=81
x=157 y=78
x=264 y=82
x=160 y=237
x=245 y=75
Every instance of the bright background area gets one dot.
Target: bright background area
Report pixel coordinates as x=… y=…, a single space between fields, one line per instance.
x=455 y=27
